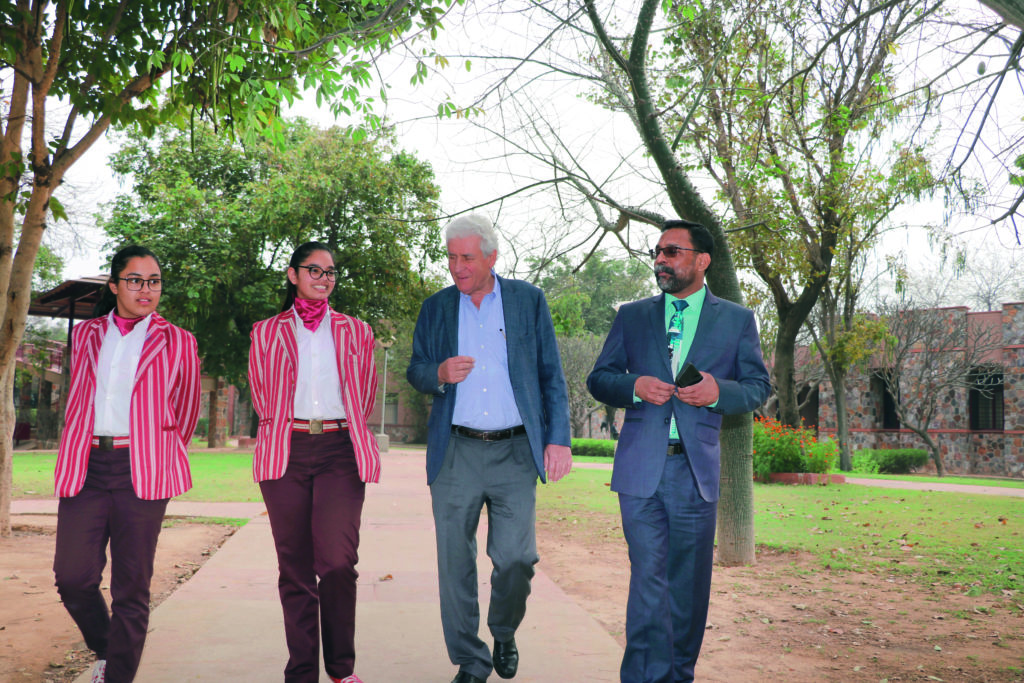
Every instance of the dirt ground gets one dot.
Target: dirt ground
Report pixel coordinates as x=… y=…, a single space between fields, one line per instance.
x=785 y=619
x=789 y=619
x=38 y=640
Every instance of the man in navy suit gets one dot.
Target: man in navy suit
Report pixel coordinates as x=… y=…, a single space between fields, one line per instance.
x=667 y=459
x=485 y=349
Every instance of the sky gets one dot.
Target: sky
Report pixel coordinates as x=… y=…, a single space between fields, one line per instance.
x=472 y=167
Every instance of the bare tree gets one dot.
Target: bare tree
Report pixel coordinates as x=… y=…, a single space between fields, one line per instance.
x=931 y=355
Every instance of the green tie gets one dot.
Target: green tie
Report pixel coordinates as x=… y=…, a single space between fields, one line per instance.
x=675 y=355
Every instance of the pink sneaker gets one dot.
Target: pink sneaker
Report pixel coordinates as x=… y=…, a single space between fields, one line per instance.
x=348 y=679
x=99 y=671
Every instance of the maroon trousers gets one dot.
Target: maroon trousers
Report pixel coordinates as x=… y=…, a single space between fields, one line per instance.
x=108 y=511
x=315 y=510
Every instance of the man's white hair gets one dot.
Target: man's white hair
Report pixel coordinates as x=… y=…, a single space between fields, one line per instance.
x=470 y=225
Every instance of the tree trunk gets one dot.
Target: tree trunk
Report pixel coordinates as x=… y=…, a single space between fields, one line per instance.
x=784 y=369
x=842 y=421
x=736 y=511
x=7 y=452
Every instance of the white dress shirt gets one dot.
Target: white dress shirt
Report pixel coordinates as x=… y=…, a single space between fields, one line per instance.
x=115 y=377
x=317 y=386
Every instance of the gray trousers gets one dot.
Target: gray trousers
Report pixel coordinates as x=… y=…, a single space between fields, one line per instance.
x=501 y=476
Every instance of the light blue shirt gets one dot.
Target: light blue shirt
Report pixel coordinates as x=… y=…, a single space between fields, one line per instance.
x=484 y=400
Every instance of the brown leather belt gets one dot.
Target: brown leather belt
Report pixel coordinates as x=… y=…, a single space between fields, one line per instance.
x=675 y=449
x=488 y=435
x=318 y=426
x=109 y=443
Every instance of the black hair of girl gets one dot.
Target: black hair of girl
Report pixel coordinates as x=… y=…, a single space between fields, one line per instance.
x=118 y=263
x=298 y=256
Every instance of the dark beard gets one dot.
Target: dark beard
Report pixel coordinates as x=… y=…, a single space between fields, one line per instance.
x=671 y=285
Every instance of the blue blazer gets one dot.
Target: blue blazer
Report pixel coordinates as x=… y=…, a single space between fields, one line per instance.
x=726 y=346
x=534 y=367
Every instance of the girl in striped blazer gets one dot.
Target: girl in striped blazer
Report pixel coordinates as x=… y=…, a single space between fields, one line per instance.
x=313 y=381
x=131 y=411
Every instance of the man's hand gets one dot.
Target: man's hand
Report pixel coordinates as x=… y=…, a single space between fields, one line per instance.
x=653 y=390
x=557 y=461
x=701 y=394
x=455 y=369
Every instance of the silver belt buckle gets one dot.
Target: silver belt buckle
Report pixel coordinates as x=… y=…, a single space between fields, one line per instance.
x=316 y=426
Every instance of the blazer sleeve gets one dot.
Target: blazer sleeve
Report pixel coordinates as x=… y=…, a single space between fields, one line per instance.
x=554 y=394
x=751 y=384
x=611 y=382
x=257 y=372
x=367 y=365
x=426 y=352
x=188 y=389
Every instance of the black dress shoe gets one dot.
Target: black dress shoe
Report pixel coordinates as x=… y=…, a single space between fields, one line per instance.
x=505 y=658
x=463 y=677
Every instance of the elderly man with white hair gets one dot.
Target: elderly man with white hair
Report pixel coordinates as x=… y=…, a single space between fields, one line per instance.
x=485 y=349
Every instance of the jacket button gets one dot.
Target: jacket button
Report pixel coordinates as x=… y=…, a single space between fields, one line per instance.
x=667 y=420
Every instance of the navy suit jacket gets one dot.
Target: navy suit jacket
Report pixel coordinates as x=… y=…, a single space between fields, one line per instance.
x=726 y=345
x=534 y=367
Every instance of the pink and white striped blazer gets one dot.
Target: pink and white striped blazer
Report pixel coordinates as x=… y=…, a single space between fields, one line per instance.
x=163 y=414
x=273 y=369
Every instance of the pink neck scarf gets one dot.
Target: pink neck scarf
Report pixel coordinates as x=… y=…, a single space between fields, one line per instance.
x=125 y=325
x=311 y=311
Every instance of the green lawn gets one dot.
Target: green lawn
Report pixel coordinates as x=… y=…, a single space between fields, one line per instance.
x=217 y=477
x=976 y=541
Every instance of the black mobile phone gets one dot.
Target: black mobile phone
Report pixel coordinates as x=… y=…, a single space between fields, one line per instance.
x=688 y=375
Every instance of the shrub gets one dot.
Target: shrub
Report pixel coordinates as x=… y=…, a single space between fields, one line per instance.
x=778 y=448
x=889 y=460
x=600 y=448
x=821 y=456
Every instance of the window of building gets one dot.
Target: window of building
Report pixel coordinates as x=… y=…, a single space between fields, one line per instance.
x=391 y=409
x=985 y=399
x=886 y=402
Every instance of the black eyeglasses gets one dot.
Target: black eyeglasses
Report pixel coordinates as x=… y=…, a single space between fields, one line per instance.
x=671 y=251
x=316 y=272
x=135 y=283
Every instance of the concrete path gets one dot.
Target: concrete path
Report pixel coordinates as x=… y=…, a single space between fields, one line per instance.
x=225 y=623
x=937 y=486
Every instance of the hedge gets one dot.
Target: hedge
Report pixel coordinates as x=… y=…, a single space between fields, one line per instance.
x=600 y=448
x=889 y=460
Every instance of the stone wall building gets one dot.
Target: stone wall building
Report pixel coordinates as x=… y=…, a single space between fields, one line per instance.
x=980 y=427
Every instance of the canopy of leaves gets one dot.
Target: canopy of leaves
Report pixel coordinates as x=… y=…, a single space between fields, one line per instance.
x=225 y=223
x=585 y=300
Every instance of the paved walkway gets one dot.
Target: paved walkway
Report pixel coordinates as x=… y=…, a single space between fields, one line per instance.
x=225 y=623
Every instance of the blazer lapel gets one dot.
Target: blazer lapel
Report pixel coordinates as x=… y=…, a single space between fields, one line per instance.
x=656 y=316
x=701 y=342
x=339 y=330
x=156 y=341
x=451 y=322
x=284 y=336
x=90 y=346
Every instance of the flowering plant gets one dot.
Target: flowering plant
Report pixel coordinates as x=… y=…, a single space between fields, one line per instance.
x=779 y=448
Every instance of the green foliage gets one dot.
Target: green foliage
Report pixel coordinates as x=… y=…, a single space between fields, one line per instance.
x=147 y=63
x=598 y=448
x=889 y=460
x=584 y=300
x=779 y=448
x=225 y=221
x=578 y=355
